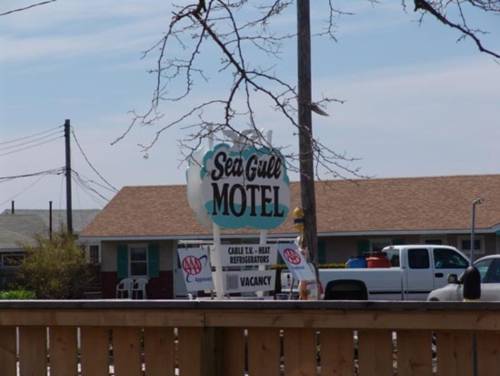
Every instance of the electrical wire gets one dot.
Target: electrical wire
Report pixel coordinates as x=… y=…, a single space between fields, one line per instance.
x=24 y=190
x=94 y=195
x=89 y=163
x=88 y=187
x=30 y=136
x=19 y=144
x=31 y=147
x=53 y=171
x=88 y=180
x=84 y=189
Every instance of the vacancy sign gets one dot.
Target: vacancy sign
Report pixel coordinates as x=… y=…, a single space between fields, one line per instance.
x=196 y=268
x=295 y=262
x=249 y=281
x=248 y=255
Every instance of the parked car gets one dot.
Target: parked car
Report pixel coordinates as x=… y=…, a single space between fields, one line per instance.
x=489 y=269
x=414 y=271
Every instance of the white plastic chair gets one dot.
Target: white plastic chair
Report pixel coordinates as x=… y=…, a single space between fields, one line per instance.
x=124 y=287
x=139 y=286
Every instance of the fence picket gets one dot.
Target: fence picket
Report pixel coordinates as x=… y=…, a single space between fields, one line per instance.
x=190 y=356
x=488 y=353
x=233 y=351
x=375 y=352
x=8 y=350
x=94 y=356
x=414 y=353
x=300 y=351
x=127 y=351
x=159 y=351
x=454 y=353
x=337 y=352
x=33 y=350
x=62 y=350
x=263 y=351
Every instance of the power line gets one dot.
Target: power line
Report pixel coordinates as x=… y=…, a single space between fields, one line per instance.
x=91 y=196
x=88 y=187
x=30 y=136
x=27 y=7
x=31 y=147
x=24 y=190
x=21 y=143
x=88 y=180
x=89 y=163
x=53 y=171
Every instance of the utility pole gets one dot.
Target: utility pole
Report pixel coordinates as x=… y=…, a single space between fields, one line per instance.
x=69 y=208
x=306 y=156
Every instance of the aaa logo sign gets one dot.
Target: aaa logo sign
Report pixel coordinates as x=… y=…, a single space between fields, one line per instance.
x=292 y=256
x=245 y=188
x=191 y=265
x=196 y=268
x=296 y=263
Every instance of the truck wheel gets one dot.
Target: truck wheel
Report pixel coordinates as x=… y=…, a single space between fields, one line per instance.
x=346 y=290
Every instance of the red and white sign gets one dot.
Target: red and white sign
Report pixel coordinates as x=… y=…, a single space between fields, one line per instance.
x=196 y=268
x=296 y=262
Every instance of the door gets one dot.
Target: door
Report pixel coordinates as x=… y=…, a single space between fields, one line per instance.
x=447 y=261
x=419 y=278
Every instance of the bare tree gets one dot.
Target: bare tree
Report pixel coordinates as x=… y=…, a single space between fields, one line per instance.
x=229 y=34
x=234 y=31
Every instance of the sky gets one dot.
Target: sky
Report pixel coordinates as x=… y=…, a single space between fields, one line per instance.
x=417 y=102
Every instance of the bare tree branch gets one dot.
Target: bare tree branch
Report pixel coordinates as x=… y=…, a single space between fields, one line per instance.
x=437 y=8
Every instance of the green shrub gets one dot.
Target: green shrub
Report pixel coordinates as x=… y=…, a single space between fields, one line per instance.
x=55 y=269
x=17 y=295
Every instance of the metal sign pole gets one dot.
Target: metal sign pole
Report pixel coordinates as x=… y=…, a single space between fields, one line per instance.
x=217 y=261
x=263 y=233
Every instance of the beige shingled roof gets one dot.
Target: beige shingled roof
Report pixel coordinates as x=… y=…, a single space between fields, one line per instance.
x=399 y=204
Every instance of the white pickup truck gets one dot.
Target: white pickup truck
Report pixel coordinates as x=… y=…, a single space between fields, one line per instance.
x=415 y=271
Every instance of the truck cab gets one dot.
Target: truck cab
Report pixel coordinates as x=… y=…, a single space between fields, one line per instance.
x=414 y=271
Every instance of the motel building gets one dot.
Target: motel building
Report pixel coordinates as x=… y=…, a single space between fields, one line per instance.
x=139 y=231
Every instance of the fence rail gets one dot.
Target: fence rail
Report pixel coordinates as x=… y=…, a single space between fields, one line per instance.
x=255 y=338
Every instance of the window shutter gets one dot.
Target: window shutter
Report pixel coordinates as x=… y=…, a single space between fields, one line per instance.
x=122 y=261
x=153 y=260
x=321 y=251
x=363 y=246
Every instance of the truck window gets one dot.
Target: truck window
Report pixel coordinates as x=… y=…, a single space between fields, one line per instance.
x=418 y=258
x=483 y=266
x=392 y=255
x=445 y=258
x=493 y=272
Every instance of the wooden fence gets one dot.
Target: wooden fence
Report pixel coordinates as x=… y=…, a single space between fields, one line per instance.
x=257 y=338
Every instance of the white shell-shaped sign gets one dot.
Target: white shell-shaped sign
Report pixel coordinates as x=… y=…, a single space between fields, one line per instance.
x=194 y=195
x=245 y=187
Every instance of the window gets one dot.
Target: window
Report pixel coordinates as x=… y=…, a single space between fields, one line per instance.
x=393 y=255
x=94 y=254
x=483 y=266
x=418 y=258
x=448 y=259
x=12 y=260
x=376 y=245
x=138 y=260
x=464 y=244
x=433 y=241
x=494 y=272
